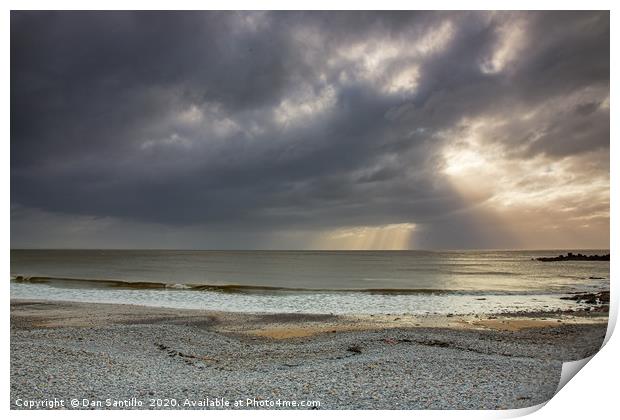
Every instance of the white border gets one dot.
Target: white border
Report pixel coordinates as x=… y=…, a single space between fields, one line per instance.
x=592 y=394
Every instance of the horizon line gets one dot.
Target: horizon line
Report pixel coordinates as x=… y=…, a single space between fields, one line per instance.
x=310 y=250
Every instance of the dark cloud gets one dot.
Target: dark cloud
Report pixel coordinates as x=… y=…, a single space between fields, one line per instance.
x=275 y=123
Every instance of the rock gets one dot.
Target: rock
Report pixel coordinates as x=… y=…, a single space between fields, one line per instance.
x=435 y=343
x=589 y=298
x=572 y=257
x=355 y=349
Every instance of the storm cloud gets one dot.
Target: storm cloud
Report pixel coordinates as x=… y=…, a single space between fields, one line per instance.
x=310 y=129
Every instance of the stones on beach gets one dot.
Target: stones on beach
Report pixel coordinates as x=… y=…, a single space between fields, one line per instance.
x=382 y=376
x=187 y=356
x=435 y=343
x=355 y=349
x=188 y=359
x=397 y=367
x=396 y=341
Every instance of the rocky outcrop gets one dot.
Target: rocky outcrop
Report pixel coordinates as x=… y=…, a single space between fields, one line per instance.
x=575 y=257
x=600 y=298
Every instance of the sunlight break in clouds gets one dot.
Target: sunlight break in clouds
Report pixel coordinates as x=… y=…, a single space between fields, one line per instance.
x=396 y=236
x=531 y=196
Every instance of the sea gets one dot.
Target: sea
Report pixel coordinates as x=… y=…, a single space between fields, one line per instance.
x=314 y=282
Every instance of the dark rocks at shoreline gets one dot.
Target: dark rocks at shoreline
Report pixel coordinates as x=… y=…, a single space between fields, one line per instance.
x=600 y=298
x=575 y=257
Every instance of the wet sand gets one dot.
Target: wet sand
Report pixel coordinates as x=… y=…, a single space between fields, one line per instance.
x=413 y=362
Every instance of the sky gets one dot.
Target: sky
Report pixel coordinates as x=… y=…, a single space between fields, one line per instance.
x=310 y=130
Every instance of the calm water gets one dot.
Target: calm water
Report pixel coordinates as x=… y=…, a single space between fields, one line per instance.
x=312 y=282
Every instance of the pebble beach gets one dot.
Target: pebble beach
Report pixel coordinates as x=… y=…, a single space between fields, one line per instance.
x=124 y=356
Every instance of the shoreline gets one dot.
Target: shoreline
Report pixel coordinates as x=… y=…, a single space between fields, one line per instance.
x=284 y=325
x=396 y=361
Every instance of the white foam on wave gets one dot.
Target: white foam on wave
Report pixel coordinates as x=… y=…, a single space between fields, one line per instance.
x=311 y=303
